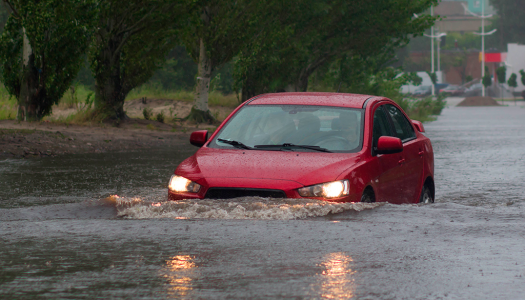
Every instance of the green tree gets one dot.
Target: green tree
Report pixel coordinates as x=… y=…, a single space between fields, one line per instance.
x=501 y=73
x=509 y=22
x=5 y=11
x=315 y=33
x=41 y=49
x=487 y=79
x=131 y=42
x=218 y=32
x=522 y=73
x=513 y=82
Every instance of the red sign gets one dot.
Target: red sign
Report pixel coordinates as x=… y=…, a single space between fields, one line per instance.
x=494 y=57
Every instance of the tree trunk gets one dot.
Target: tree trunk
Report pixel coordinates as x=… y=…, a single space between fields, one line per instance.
x=249 y=89
x=200 y=113
x=29 y=108
x=109 y=91
x=302 y=83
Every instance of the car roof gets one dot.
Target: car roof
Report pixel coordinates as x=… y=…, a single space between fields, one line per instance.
x=312 y=98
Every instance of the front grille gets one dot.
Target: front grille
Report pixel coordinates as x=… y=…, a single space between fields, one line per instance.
x=228 y=193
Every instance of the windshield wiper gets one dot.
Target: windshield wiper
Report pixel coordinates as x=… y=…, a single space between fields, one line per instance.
x=288 y=145
x=235 y=144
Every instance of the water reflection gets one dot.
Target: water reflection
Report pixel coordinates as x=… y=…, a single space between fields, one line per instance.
x=336 y=280
x=179 y=271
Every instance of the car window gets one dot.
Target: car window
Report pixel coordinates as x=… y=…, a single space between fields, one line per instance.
x=381 y=125
x=333 y=128
x=403 y=129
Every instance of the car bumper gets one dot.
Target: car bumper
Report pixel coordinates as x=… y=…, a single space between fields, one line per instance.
x=246 y=187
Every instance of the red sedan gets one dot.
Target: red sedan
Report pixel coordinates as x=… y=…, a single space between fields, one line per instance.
x=326 y=146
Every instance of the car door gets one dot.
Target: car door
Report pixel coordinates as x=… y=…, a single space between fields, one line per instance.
x=390 y=180
x=411 y=163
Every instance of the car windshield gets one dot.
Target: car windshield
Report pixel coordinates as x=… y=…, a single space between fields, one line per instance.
x=268 y=127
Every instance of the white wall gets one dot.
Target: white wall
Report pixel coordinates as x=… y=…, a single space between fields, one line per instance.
x=516 y=62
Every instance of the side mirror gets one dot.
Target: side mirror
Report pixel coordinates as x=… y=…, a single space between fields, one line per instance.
x=389 y=145
x=199 y=138
x=419 y=126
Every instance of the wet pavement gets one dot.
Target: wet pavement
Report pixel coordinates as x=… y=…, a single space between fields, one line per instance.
x=63 y=236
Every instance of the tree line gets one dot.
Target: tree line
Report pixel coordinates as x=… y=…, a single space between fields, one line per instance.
x=273 y=45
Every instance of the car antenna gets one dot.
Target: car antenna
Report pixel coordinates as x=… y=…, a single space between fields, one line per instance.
x=339 y=86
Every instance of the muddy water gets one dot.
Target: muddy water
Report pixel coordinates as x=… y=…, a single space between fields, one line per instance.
x=62 y=234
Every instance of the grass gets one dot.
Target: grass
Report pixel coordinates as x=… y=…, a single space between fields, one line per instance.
x=423 y=110
x=76 y=97
x=87 y=116
x=7 y=105
x=215 y=98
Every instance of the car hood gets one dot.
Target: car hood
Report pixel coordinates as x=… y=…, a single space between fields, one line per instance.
x=305 y=168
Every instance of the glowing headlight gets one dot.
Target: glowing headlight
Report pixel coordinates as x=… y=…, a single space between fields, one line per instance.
x=181 y=184
x=332 y=189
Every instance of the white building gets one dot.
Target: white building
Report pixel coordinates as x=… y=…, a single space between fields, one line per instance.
x=515 y=62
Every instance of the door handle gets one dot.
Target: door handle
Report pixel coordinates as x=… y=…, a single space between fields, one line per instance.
x=402 y=161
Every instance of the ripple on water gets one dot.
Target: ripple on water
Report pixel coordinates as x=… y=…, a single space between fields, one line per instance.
x=239 y=208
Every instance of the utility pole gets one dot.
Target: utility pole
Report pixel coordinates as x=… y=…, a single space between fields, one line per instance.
x=483 y=34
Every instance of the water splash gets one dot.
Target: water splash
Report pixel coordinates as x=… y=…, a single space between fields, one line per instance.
x=239 y=208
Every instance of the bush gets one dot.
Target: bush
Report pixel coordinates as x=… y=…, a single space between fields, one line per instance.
x=146 y=112
x=160 y=117
x=8 y=105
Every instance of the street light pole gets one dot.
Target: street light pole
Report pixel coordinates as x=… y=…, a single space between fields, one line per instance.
x=483 y=34
x=432 y=37
x=432 y=51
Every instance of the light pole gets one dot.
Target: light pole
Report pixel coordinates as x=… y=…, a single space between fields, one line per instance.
x=432 y=37
x=483 y=34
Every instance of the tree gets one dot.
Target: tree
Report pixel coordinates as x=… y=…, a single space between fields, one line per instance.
x=42 y=49
x=487 y=79
x=509 y=22
x=131 y=42
x=522 y=73
x=513 y=82
x=220 y=29
x=316 y=33
x=501 y=73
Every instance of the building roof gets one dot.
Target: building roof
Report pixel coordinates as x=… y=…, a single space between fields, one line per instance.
x=450 y=8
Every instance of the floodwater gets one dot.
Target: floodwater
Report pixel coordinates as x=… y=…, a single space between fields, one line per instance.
x=63 y=233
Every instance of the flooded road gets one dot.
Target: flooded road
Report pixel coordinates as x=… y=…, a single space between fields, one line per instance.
x=62 y=234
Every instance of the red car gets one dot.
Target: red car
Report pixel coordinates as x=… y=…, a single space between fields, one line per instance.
x=326 y=146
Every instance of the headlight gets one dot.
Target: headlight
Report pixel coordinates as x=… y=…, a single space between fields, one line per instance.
x=181 y=184
x=332 y=189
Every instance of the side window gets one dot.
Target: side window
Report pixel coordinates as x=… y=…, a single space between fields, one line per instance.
x=381 y=125
x=403 y=129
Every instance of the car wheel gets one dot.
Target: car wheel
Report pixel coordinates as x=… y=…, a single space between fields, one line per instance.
x=426 y=195
x=368 y=197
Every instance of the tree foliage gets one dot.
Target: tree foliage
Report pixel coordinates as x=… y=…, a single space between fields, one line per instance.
x=509 y=22
x=219 y=30
x=487 y=79
x=132 y=41
x=42 y=49
x=501 y=73
x=513 y=82
x=522 y=73
x=311 y=34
